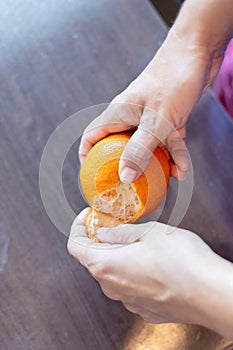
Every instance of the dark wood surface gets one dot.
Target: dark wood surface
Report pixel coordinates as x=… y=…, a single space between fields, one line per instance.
x=167 y=9
x=58 y=57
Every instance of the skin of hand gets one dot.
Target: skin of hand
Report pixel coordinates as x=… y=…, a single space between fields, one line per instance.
x=164 y=276
x=160 y=100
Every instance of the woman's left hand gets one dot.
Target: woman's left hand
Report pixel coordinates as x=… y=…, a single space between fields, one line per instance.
x=155 y=274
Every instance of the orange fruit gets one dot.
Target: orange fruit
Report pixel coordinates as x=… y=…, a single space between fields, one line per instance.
x=113 y=202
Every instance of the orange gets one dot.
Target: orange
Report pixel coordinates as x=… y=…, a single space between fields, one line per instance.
x=113 y=202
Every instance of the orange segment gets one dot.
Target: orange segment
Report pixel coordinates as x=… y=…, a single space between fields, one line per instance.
x=95 y=220
x=122 y=203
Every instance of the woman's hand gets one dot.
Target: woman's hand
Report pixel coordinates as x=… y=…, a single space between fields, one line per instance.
x=153 y=272
x=163 y=275
x=158 y=102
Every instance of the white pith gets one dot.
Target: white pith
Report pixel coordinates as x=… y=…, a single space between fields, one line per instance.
x=121 y=202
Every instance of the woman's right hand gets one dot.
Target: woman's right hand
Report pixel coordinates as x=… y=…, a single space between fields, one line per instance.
x=158 y=104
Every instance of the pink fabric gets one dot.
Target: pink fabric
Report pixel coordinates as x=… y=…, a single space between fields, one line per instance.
x=223 y=85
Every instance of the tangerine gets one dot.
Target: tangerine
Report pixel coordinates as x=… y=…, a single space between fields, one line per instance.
x=113 y=202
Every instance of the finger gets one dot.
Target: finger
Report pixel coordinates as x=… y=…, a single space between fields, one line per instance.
x=110 y=293
x=124 y=234
x=77 y=227
x=80 y=219
x=81 y=247
x=117 y=117
x=131 y=308
x=136 y=156
x=96 y=131
x=177 y=173
x=178 y=150
x=152 y=130
x=145 y=313
x=78 y=238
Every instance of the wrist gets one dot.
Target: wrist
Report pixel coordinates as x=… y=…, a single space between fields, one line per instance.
x=213 y=299
x=207 y=24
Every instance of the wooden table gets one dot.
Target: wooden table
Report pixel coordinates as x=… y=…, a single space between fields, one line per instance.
x=58 y=57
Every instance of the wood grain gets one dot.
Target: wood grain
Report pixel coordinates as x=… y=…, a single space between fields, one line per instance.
x=58 y=57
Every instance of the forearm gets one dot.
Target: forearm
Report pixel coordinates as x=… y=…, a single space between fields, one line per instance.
x=201 y=32
x=209 y=23
x=214 y=298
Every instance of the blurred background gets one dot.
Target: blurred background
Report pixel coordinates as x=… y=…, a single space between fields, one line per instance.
x=168 y=9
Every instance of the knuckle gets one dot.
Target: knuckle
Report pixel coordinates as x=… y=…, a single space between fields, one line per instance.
x=128 y=107
x=175 y=142
x=182 y=132
x=130 y=308
x=114 y=113
x=178 y=146
x=110 y=294
x=99 y=270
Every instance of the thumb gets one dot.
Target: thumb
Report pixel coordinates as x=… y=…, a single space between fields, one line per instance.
x=124 y=234
x=151 y=131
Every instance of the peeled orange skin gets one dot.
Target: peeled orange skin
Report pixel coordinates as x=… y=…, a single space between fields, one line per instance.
x=113 y=202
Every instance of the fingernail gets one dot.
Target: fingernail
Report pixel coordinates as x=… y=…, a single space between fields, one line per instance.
x=128 y=175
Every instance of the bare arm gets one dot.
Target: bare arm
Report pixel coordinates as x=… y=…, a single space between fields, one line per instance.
x=209 y=22
x=169 y=86
x=215 y=295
